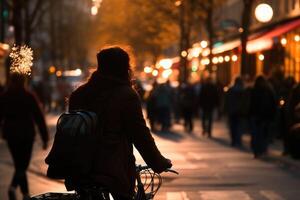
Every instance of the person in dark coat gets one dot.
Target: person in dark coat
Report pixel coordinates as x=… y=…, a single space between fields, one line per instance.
x=262 y=111
x=187 y=102
x=236 y=107
x=20 y=110
x=208 y=101
x=110 y=95
x=152 y=106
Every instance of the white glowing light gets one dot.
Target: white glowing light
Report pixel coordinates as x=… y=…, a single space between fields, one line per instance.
x=155 y=72
x=234 y=58
x=167 y=73
x=215 y=60
x=297 y=38
x=184 y=53
x=94 y=10
x=283 y=41
x=221 y=59
x=166 y=63
x=261 y=57
x=22 y=57
x=148 y=69
x=227 y=58
x=203 y=44
x=263 y=12
x=76 y=72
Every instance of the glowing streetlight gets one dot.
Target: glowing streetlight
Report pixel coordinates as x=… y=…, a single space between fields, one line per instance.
x=261 y=57
x=94 y=10
x=203 y=44
x=263 y=13
x=234 y=58
x=283 y=41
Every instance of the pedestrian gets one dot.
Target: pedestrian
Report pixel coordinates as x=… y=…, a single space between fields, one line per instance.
x=164 y=97
x=19 y=111
x=262 y=110
x=208 y=101
x=237 y=108
x=291 y=140
x=151 y=104
x=109 y=93
x=187 y=102
x=286 y=92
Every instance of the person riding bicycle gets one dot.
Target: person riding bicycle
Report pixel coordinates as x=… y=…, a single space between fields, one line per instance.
x=110 y=94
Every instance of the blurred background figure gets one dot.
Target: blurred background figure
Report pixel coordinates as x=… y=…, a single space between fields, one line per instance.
x=151 y=105
x=286 y=91
x=208 y=101
x=187 y=102
x=237 y=108
x=164 y=105
x=262 y=110
x=19 y=111
x=292 y=139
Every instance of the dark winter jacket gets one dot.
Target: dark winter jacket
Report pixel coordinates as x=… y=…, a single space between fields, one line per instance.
x=237 y=101
x=208 y=97
x=119 y=108
x=263 y=103
x=19 y=112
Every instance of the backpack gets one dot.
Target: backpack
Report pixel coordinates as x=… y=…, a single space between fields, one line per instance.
x=74 y=144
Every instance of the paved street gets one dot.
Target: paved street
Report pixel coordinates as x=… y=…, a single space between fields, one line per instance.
x=209 y=170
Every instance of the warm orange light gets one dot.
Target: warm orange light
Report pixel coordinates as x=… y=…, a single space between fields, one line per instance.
x=52 y=69
x=184 y=54
x=58 y=73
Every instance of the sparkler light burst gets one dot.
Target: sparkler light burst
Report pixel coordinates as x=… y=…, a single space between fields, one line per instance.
x=22 y=57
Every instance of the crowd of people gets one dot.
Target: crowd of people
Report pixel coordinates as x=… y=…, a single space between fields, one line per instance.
x=266 y=108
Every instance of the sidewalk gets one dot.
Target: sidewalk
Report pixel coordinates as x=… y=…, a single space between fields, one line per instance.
x=221 y=135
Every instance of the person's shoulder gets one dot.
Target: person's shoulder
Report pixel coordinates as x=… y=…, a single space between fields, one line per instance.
x=80 y=91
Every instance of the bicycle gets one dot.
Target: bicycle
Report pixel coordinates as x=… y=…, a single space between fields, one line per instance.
x=147 y=185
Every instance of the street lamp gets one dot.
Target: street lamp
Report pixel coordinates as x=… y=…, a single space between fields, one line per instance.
x=94 y=10
x=96 y=5
x=263 y=12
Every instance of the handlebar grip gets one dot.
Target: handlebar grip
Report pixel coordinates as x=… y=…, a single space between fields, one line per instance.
x=172 y=171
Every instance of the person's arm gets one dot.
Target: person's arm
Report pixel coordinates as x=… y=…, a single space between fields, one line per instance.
x=140 y=135
x=40 y=120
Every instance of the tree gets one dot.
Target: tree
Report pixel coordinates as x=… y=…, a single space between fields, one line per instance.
x=25 y=17
x=246 y=22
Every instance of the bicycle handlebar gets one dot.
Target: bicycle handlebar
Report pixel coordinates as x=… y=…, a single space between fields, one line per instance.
x=145 y=167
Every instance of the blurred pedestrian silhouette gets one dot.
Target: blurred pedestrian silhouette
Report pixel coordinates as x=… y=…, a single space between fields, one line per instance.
x=208 y=101
x=285 y=94
x=292 y=139
x=262 y=110
x=187 y=102
x=164 y=105
x=19 y=111
x=237 y=108
x=151 y=104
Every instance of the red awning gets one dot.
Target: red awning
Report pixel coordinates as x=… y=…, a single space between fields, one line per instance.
x=265 y=41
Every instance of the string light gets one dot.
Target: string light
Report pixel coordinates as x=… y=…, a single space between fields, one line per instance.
x=22 y=57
